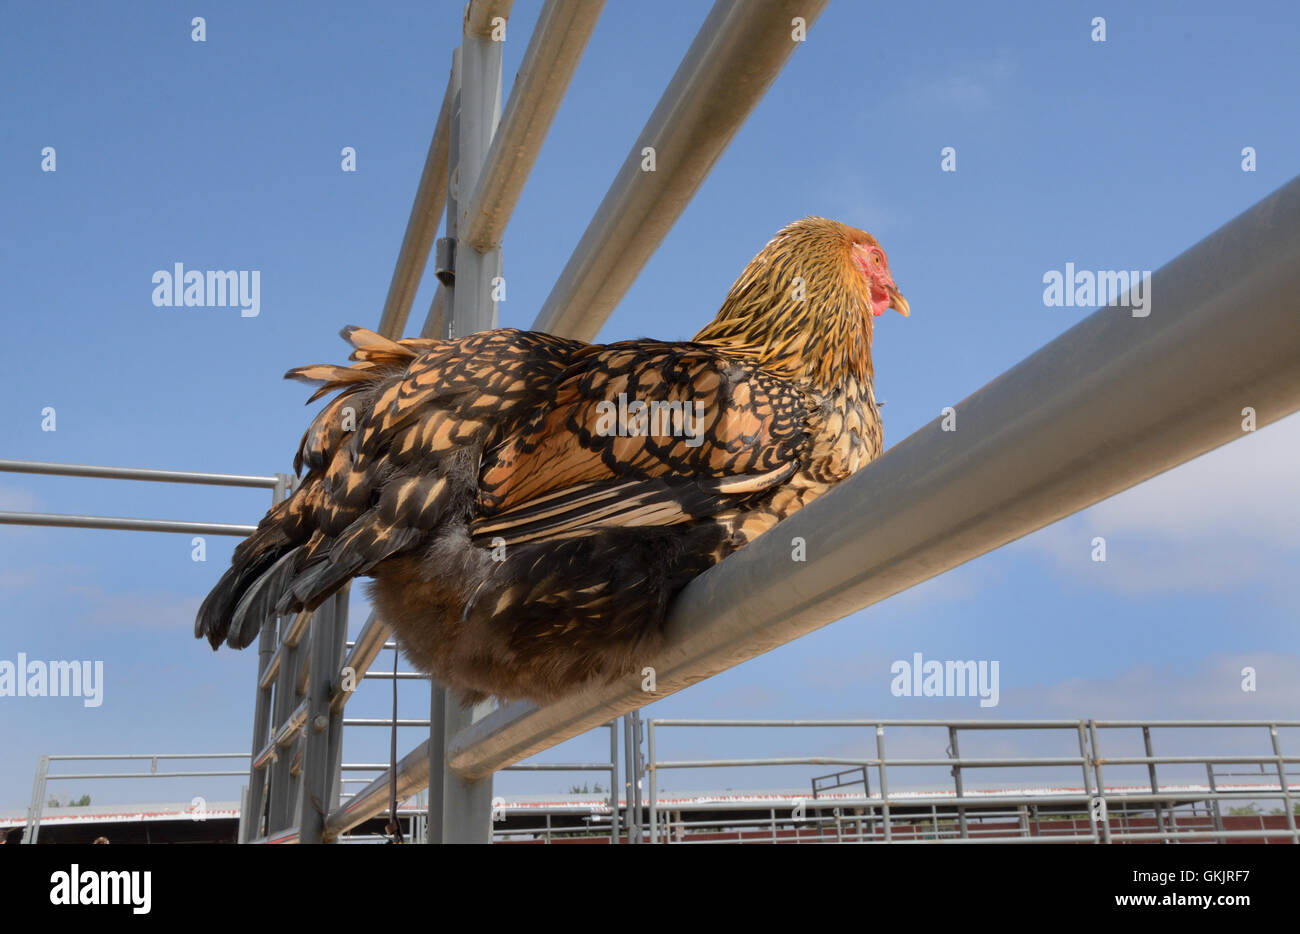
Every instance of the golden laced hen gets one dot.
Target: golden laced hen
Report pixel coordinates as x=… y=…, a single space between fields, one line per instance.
x=528 y=505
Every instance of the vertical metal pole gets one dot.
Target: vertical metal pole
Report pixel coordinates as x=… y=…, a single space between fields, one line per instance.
x=33 y=828
x=243 y=814
x=613 y=781
x=1287 y=805
x=629 y=780
x=336 y=739
x=1101 y=785
x=1155 y=785
x=884 y=781
x=635 y=770
x=654 y=787
x=956 y=775
x=638 y=771
x=437 y=749
x=477 y=274
x=1214 y=802
x=320 y=777
x=1085 y=757
x=467 y=806
x=279 y=781
x=250 y=815
x=439 y=703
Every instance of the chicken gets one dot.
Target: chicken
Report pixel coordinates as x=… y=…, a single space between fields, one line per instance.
x=528 y=505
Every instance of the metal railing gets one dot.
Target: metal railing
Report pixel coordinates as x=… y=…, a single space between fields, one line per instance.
x=271 y=662
x=103 y=472
x=1095 y=813
x=32 y=829
x=373 y=798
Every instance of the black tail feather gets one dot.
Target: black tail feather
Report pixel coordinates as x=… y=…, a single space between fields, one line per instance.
x=216 y=613
x=258 y=602
x=320 y=578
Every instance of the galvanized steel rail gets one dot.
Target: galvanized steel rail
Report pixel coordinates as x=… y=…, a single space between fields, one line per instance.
x=136 y=473
x=127 y=524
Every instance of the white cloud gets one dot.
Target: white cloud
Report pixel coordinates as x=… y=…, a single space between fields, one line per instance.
x=49 y=576
x=17 y=499
x=1248 y=488
x=1229 y=517
x=1206 y=690
x=17 y=579
x=973 y=88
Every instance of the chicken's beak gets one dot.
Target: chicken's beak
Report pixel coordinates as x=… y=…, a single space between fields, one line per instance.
x=897 y=302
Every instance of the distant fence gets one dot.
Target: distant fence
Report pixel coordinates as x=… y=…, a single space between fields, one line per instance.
x=1095 y=813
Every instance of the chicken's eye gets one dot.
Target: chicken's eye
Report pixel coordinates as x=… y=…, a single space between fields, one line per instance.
x=875 y=258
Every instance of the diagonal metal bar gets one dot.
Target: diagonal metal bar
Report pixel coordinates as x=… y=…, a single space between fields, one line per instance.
x=735 y=57
x=421 y=226
x=559 y=38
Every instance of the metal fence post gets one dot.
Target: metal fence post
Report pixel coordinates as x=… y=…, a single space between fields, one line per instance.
x=320 y=759
x=33 y=828
x=654 y=789
x=613 y=781
x=279 y=780
x=1151 y=771
x=257 y=778
x=1216 y=811
x=240 y=833
x=955 y=752
x=634 y=764
x=1101 y=787
x=466 y=806
x=477 y=272
x=1287 y=805
x=884 y=781
x=438 y=698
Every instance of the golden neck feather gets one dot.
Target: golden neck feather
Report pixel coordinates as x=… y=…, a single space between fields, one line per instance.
x=801 y=309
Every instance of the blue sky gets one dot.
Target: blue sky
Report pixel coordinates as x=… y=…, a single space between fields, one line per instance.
x=226 y=155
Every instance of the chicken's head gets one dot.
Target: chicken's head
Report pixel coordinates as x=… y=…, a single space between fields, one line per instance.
x=873 y=265
x=804 y=305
